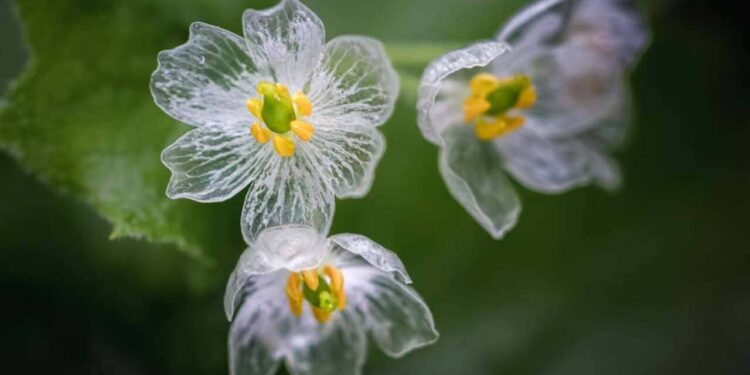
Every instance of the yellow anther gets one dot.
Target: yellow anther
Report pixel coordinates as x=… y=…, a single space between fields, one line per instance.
x=334 y=274
x=283 y=145
x=475 y=107
x=311 y=278
x=260 y=133
x=488 y=131
x=341 y=297
x=304 y=130
x=304 y=107
x=514 y=122
x=506 y=81
x=527 y=98
x=282 y=90
x=320 y=315
x=296 y=306
x=337 y=285
x=255 y=106
x=483 y=84
x=266 y=88
x=294 y=294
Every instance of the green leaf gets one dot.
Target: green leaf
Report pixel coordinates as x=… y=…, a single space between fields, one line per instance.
x=81 y=118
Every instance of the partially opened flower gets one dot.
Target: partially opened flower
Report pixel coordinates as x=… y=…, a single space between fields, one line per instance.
x=314 y=309
x=278 y=110
x=546 y=102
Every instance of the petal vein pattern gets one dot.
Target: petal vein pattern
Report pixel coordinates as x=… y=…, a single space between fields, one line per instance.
x=286 y=191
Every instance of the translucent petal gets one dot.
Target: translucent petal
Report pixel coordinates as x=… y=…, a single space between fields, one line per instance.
x=608 y=136
x=265 y=331
x=431 y=122
x=605 y=171
x=397 y=318
x=448 y=109
x=542 y=164
x=210 y=164
x=473 y=172
x=286 y=191
x=346 y=157
x=206 y=80
x=575 y=87
x=613 y=131
x=613 y=28
x=291 y=248
x=350 y=250
x=254 y=342
x=354 y=85
x=337 y=347
x=287 y=40
x=537 y=23
x=576 y=53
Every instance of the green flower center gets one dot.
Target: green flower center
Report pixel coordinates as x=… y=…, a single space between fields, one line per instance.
x=278 y=108
x=322 y=297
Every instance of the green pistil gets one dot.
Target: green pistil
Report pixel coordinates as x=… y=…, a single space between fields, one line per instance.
x=278 y=110
x=322 y=297
x=506 y=96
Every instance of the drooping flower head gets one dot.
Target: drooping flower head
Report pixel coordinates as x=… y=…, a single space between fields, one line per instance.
x=279 y=111
x=313 y=309
x=545 y=102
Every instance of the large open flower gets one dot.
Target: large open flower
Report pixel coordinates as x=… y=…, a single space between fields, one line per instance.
x=281 y=111
x=314 y=309
x=545 y=102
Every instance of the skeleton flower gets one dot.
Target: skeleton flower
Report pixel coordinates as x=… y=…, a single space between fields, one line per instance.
x=545 y=103
x=313 y=309
x=279 y=111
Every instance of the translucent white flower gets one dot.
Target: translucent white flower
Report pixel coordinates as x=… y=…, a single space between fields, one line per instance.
x=279 y=111
x=314 y=309
x=545 y=102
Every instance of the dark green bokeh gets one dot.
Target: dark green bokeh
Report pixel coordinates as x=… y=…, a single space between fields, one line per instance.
x=651 y=280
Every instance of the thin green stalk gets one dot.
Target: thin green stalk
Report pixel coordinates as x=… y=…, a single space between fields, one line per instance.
x=417 y=54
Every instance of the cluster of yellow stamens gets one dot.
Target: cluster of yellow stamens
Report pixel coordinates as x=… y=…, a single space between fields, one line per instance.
x=491 y=101
x=325 y=295
x=279 y=117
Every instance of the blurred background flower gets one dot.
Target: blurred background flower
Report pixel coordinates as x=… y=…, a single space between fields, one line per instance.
x=651 y=280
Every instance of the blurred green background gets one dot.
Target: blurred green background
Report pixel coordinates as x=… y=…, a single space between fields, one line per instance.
x=652 y=280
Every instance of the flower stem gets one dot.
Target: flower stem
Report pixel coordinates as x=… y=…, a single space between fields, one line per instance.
x=417 y=53
x=409 y=86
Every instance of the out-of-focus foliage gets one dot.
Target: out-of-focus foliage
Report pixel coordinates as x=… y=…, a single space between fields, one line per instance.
x=82 y=119
x=652 y=280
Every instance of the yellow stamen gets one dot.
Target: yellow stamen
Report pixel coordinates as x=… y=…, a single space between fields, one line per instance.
x=304 y=130
x=320 y=315
x=311 y=278
x=255 y=106
x=266 y=88
x=304 y=107
x=483 y=84
x=283 y=145
x=294 y=294
x=488 y=131
x=282 y=90
x=337 y=285
x=260 y=133
x=278 y=114
x=527 y=98
x=337 y=280
x=341 y=297
x=474 y=107
x=514 y=122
